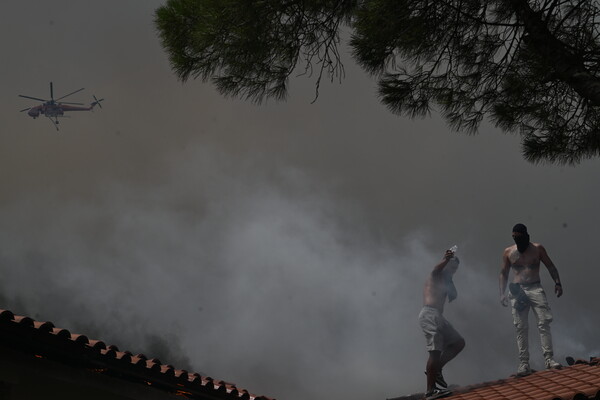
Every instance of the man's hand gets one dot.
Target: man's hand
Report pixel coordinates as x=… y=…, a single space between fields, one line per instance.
x=449 y=254
x=503 y=300
x=558 y=290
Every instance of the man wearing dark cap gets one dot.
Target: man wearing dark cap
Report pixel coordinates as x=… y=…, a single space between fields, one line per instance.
x=526 y=292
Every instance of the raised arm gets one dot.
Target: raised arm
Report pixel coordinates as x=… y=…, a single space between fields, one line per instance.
x=504 y=271
x=552 y=270
x=440 y=267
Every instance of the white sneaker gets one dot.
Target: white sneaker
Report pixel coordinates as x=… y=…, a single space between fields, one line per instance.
x=524 y=369
x=551 y=364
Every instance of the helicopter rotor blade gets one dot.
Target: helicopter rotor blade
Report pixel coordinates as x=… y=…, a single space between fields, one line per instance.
x=33 y=98
x=25 y=109
x=51 y=91
x=66 y=95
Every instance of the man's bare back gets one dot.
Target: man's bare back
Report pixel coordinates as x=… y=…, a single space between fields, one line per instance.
x=437 y=283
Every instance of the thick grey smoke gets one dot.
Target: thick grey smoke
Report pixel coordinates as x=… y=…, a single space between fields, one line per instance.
x=266 y=280
x=283 y=247
x=248 y=277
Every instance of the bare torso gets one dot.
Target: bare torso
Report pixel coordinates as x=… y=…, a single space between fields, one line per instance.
x=435 y=291
x=525 y=266
x=436 y=285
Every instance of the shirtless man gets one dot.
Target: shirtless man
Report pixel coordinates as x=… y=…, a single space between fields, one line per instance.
x=526 y=292
x=443 y=341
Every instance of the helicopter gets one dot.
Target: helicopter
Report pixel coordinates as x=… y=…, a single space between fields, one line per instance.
x=54 y=108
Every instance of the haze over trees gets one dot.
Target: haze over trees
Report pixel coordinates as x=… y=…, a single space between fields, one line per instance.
x=531 y=67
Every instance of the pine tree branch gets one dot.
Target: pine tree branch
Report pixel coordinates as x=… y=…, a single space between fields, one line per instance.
x=566 y=17
x=566 y=65
x=482 y=21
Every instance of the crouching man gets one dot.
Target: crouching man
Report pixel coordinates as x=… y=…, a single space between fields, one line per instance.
x=443 y=341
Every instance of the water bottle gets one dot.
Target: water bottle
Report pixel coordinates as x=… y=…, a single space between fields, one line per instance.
x=453 y=249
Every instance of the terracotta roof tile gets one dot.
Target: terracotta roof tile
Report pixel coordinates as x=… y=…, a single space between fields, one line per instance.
x=61 y=333
x=80 y=339
x=152 y=365
x=43 y=326
x=97 y=344
x=579 y=381
x=23 y=320
x=137 y=361
x=123 y=356
x=59 y=344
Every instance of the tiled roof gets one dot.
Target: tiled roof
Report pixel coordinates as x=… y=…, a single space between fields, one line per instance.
x=580 y=380
x=44 y=339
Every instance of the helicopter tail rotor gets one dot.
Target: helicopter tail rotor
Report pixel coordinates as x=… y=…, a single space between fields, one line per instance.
x=97 y=102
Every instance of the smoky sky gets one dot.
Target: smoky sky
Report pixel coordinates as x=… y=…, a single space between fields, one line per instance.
x=282 y=247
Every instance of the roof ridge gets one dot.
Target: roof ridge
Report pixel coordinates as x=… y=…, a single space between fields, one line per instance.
x=61 y=343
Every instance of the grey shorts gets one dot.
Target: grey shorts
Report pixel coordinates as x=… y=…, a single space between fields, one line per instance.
x=439 y=333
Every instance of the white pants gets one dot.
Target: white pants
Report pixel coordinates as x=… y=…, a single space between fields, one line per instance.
x=541 y=310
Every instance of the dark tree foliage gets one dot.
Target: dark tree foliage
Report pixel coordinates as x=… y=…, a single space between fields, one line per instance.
x=249 y=48
x=529 y=66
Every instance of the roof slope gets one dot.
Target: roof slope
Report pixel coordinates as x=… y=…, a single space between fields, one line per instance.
x=44 y=339
x=580 y=380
